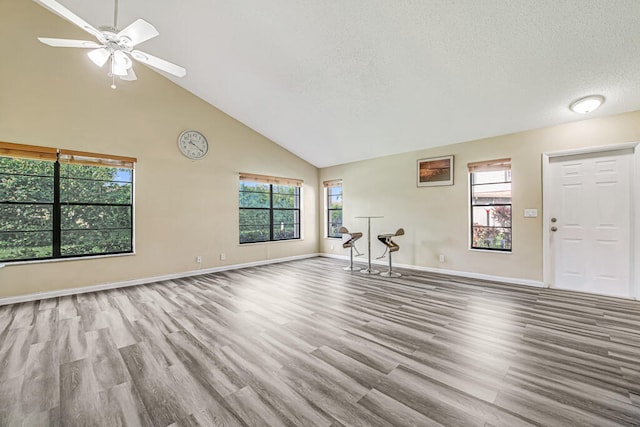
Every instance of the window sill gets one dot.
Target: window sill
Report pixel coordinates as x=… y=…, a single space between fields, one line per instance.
x=491 y=251
x=269 y=242
x=45 y=261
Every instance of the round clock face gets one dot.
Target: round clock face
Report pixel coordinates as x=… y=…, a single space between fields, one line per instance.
x=193 y=144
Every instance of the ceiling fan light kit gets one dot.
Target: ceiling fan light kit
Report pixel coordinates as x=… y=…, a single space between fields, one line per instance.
x=113 y=45
x=587 y=104
x=99 y=56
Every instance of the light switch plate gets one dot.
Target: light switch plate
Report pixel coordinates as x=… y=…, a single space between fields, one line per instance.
x=530 y=213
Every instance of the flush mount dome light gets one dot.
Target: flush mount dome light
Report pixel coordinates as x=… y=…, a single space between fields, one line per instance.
x=587 y=104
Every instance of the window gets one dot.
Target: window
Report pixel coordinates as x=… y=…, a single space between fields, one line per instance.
x=61 y=204
x=491 y=205
x=334 y=207
x=269 y=208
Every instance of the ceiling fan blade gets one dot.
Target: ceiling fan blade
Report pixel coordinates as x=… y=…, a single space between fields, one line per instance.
x=62 y=11
x=99 y=56
x=68 y=43
x=158 y=63
x=139 y=31
x=131 y=76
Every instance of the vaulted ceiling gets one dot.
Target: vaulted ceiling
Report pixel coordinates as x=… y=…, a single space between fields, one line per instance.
x=339 y=81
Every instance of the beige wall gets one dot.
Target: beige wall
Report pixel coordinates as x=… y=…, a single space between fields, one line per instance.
x=58 y=98
x=436 y=219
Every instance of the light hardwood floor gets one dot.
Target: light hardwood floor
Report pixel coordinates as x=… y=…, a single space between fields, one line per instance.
x=305 y=343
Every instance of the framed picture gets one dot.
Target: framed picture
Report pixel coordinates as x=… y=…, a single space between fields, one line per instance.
x=435 y=171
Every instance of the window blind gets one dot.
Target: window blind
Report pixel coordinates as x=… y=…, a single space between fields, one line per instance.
x=93 y=159
x=33 y=152
x=489 y=165
x=332 y=183
x=266 y=179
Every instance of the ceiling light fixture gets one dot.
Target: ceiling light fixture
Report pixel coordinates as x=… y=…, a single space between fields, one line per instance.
x=114 y=46
x=587 y=104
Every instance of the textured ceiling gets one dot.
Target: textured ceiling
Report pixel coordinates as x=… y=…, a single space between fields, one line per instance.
x=339 y=81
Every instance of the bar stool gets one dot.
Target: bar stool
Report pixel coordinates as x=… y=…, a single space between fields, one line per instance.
x=351 y=244
x=390 y=246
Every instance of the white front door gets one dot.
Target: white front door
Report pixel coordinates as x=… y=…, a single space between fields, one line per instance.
x=590 y=222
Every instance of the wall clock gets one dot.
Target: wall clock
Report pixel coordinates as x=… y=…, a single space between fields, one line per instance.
x=193 y=144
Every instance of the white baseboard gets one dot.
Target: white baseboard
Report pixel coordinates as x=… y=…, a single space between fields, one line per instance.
x=144 y=280
x=471 y=275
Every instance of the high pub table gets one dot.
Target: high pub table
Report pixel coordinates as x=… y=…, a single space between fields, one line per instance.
x=369 y=270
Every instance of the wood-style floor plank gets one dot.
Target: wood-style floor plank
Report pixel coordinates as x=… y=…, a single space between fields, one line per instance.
x=306 y=343
x=80 y=403
x=123 y=407
x=161 y=399
x=40 y=389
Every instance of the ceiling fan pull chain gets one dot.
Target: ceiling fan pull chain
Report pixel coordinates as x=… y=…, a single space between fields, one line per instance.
x=113 y=75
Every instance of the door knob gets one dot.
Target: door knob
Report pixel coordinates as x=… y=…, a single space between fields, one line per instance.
x=554 y=219
x=554 y=228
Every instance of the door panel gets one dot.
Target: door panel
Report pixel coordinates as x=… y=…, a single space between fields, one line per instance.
x=591 y=200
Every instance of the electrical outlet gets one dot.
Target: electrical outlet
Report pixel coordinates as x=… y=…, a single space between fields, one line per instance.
x=441 y=258
x=223 y=256
x=199 y=259
x=332 y=246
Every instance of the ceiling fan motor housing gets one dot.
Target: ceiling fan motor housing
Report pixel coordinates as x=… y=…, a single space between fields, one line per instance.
x=114 y=42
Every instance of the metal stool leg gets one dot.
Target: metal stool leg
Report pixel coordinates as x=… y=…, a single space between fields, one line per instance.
x=390 y=273
x=350 y=267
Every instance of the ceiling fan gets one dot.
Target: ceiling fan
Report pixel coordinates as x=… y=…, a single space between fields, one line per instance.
x=113 y=45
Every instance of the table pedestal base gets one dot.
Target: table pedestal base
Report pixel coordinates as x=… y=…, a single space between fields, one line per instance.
x=369 y=271
x=390 y=274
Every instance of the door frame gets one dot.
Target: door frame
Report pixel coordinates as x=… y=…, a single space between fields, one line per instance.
x=634 y=276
